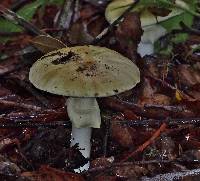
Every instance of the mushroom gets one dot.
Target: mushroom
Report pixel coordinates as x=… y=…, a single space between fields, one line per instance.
x=84 y=73
x=150 y=23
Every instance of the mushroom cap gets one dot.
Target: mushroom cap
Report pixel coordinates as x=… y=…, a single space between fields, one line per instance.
x=117 y=7
x=84 y=71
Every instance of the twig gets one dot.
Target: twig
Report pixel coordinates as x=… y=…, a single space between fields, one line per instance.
x=24 y=51
x=18 y=20
x=120 y=164
x=53 y=29
x=76 y=14
x=26 y=85
x=173 y=176
x=121 y=106
x=18 y=4
x=105 y=143
x=156 y=122
x=167 y=85
x=2 y=33
x=48 y=115
x=147 y=143
x=35 y=124
x=111 y=26
x=23 y=155
x=9 y=69
x=19 y=105
x=186 y=29
x=165 y=107
x=65 y=16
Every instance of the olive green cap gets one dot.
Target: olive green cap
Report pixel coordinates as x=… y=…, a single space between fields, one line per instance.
x=84 y=71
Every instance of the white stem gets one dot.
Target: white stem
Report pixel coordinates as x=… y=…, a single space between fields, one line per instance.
x=150 y=36
x=145 y=49
x=82 y=136
x=84 y=113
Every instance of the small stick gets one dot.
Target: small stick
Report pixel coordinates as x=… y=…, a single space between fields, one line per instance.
x=7 y=70
x=119 y=105
x=65 y=16
x=105 y=143
x=156 y=122
x=174 y=175
x=22 y=52
x=76 y=14
x=23 y=155
x=53 y=29
x=2 y=33
x=18 y=20
x=110 y=27
x=20 y=105
x=34 y=124
x=147 y=143
x=34 y=92
x=189 y=30
x=48 y=115
x=18 y=4
x=167 y=85
x=119 y=164
x=165 y=107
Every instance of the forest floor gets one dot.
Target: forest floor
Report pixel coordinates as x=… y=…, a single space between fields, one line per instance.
x=150 y=132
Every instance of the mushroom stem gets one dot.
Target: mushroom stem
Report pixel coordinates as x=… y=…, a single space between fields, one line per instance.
x=84 y=114
x=82 y=136
x=145 y=49
x=151 y=34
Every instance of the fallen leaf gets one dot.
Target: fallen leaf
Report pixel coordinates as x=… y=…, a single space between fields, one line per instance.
x=105 y=178
x=130 y=171
x=187 y=75
x=149 y=95
x=167 y=148
x=129 y=34
x=47 y=44
x=101 y=162
x=47 y=173
x=122 y=134
x=78 y=34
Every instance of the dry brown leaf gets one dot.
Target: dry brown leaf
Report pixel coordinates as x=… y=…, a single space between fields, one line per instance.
x=130 y=171
x=78 y=34
x=47 y=44
x=47 y=173
x=101 y=162
x=129 y=34
x=149 y=95
x=105 y=178
x=187 y=75
x=122 y=134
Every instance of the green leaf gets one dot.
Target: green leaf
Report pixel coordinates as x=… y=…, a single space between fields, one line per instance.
x=186 y=17
x=57 y=2
x=174 y=23
x=7 y=26
x=27 y=12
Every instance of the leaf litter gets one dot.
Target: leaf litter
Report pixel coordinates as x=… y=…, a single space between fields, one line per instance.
x=148 y=133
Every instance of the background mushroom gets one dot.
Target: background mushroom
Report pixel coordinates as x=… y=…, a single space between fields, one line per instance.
x=153 y=16
x=84 y=73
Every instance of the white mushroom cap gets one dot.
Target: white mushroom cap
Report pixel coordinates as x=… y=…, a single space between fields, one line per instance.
x=116 y=8
x=84 y=71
